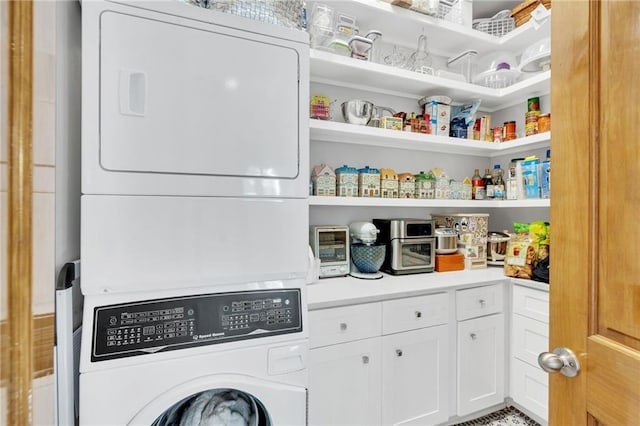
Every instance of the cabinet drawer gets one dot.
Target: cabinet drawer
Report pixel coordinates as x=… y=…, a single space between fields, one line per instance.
x=414 y=312
x=339 y=325
x=530 y=337
x=478 y=301
x=531 y=303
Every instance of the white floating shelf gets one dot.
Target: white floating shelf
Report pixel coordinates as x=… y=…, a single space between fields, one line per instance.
x=329 y=68
x=332 y=131
x=409 y=202
x=402 y=26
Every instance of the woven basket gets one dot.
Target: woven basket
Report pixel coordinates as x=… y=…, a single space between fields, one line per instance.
x=522 y=13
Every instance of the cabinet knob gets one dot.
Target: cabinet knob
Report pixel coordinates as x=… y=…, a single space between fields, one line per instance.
x=481 y=302
x=343 y=326
x=365 y=359
x=473 y=336
x=399 y=352
x=418 y=314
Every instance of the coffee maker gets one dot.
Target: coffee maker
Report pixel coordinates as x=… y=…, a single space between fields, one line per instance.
x=366 y=256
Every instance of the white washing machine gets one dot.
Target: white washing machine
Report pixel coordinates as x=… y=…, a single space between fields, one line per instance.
x=235 y=357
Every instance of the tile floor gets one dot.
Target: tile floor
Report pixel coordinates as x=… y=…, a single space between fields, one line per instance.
x=509 y=416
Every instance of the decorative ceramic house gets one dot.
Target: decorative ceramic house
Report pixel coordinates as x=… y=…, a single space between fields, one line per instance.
x=368 y=182
x=388 y=183
x=324 y=180
x=347 y=181
x=466 y=188
x=422 y=185
x=406 y=185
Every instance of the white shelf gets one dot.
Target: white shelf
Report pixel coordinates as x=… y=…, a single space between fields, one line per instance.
x=401 y=26
x=329 y=68
x=408 y=202
x=331 y=131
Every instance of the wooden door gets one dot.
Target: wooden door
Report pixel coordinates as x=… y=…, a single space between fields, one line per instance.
x=595 y=210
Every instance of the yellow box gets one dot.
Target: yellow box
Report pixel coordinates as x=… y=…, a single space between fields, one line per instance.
x=392 y=123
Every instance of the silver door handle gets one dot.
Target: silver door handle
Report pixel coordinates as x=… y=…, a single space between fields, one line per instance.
x=561 y=360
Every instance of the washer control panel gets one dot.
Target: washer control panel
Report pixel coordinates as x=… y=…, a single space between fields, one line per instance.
x=166 y=324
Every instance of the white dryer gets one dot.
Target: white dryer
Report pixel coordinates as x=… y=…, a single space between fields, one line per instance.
x=235 y=357
x=194 y=148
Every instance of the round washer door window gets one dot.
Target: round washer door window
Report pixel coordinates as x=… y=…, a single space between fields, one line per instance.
x=228 y=407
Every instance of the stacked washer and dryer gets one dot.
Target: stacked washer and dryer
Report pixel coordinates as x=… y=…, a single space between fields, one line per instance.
x=194 y=217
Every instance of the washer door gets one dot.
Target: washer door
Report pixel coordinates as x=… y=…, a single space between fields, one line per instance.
x=216 y=406
x=226 y=400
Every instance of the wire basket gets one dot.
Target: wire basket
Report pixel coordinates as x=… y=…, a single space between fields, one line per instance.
x=451 y=10
x=286 y=13
x=498 y=25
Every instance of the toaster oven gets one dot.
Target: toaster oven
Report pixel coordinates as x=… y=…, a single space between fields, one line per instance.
x=410 y=245
x=331 y=245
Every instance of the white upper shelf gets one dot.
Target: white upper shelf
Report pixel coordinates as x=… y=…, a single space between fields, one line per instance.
x=414 y=202
x=331 y=131
x=402 y=26
x=343 y=71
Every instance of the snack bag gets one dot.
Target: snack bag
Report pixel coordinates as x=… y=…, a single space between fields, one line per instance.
x=539 y=235
x=521 y=253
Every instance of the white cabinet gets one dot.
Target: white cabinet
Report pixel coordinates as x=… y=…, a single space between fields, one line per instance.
x=415 y=360
x=481 y=348
x=344 y=384
x=381 y=363
x=529 y=384
x=344 y=365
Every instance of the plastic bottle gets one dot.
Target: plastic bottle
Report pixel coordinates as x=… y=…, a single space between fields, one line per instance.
x=478 y=191
x=545 y=177
x=499 y=188
x=489 y=184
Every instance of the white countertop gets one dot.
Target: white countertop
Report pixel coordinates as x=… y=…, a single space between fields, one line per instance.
x=343 y=291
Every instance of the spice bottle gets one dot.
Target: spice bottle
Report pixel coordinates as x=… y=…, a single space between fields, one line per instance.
x=488 y=183
x=478 y=191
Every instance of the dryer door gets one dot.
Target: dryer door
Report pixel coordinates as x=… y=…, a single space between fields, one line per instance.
x=185 y=107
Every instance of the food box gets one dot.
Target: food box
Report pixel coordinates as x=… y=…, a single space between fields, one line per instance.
x=440 y=118
x=530 y=170
x=391 y=123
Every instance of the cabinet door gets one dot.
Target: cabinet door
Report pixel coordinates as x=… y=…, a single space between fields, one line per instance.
x=481 y=363
x=344 y=384
x=415 y=377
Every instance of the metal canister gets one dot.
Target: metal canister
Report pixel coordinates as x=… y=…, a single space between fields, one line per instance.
x=509 y=132
x=533 y=104
x=544 y=123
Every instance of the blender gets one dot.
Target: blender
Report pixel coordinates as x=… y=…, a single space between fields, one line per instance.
x=366 y=256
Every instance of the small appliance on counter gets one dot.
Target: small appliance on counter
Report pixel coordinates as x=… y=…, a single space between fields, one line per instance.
x=447 y=256
x=497 y=247
x=410 y=245
x=331 y=245
x=366 y=256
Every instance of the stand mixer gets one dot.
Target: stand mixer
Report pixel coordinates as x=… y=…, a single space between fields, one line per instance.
x=366 y=256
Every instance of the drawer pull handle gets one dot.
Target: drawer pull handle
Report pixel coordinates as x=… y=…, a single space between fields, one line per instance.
x=343 y=326
x=418 y=314
x=473 y=336
x=399 y=352
x=365 y=359
x=482 y=302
